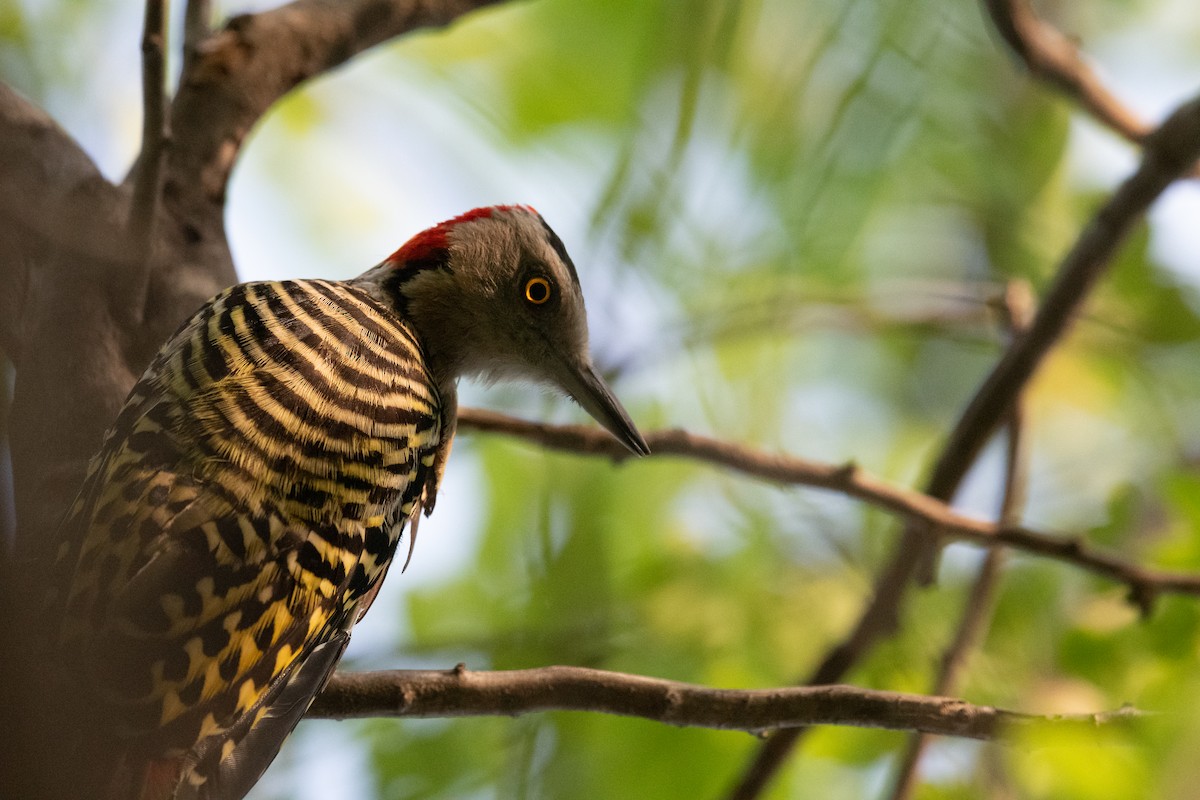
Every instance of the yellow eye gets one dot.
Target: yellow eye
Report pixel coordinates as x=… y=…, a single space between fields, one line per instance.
x=537 y=290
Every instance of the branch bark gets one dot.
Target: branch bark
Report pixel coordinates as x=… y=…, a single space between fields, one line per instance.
x=63 y=226
x=53 y=193
x=46 y=173
x=460 y=692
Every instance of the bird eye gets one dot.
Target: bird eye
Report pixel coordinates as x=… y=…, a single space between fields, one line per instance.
x=537 y=290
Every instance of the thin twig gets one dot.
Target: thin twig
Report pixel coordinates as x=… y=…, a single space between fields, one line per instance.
x=147 y=177
x=1168 y=152
x=197 y=28
x=1145 y=584
x=977 y=612
x=1055 y=60
x=460 y=692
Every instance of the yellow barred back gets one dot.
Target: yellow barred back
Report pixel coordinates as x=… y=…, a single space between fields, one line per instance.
x=246 y=501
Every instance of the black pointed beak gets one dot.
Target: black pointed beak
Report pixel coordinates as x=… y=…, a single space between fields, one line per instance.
x=591 y=392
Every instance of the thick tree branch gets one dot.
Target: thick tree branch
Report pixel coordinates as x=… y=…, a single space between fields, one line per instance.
x=460 y=692
x=1145 y=584
x=1167 y=153
x=64 y=227
x=53 y=192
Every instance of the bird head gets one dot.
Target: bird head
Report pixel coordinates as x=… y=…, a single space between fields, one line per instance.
x=492 y=293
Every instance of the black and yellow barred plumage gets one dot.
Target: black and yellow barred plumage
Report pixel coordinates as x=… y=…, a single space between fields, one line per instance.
x=249 y=498
x=251 y=503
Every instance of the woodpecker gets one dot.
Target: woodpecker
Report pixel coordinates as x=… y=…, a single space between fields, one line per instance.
x=248 y=500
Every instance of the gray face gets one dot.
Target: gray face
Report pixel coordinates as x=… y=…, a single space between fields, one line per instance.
x=510 y=306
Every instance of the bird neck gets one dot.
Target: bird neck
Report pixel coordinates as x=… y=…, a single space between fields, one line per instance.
x=405 y=289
